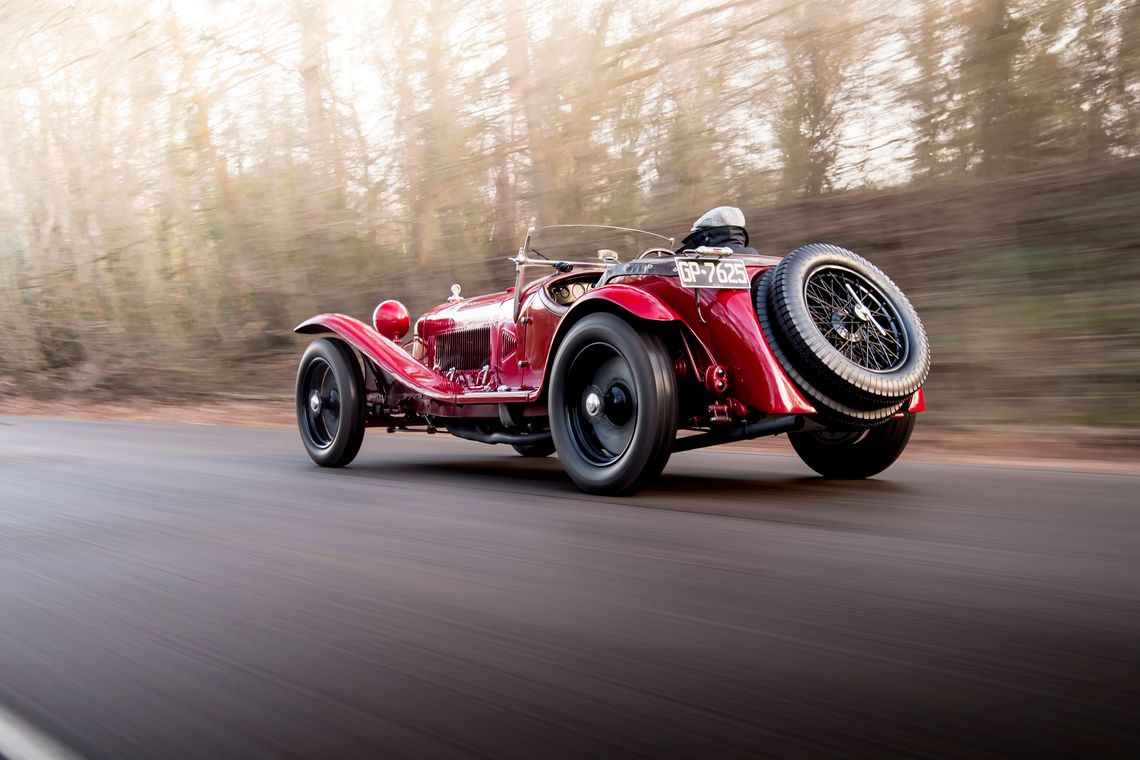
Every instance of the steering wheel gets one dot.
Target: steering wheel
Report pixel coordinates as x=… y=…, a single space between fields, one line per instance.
x=656 y=252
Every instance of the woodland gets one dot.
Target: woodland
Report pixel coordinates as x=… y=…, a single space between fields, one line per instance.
x=183 y=182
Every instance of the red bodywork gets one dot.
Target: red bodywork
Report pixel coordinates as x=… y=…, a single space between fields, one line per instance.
x=487 y=356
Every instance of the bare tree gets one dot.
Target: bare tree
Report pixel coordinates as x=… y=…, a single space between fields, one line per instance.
x=808 y=125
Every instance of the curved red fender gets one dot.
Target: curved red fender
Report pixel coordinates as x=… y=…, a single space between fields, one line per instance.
x=634 y=300
x=623 y=299
x=385 y=353
x=756 y=374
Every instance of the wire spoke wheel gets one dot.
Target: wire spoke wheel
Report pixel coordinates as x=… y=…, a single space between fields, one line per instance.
x=856 y=318
x=845 y=333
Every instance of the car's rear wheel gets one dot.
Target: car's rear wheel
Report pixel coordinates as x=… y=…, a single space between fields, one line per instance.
x=330 y=406
x=854 y=454
x=613 y=405
x=535 y=450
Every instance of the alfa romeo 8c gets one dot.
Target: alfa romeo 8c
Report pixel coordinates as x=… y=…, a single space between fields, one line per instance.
x=616 y=350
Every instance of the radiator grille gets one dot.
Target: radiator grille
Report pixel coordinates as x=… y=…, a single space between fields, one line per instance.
x=469 y=348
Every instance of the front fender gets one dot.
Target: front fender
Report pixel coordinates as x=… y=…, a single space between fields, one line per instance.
x=623 y=300
x=633 y=301
x=386 y=354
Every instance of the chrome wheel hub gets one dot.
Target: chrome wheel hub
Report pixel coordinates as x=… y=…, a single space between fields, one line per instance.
x=839 y=323
x=593 y=404
x=315 y=402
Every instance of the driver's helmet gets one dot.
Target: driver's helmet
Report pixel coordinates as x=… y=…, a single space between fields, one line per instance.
x=721 y=216
x=722 y=226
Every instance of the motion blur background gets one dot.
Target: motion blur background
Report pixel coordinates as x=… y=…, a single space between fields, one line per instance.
x=183 y=182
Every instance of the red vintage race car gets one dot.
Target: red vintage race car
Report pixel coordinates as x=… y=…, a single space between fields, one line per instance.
x=611 y=347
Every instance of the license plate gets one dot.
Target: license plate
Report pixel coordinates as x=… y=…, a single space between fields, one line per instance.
x=713 y=273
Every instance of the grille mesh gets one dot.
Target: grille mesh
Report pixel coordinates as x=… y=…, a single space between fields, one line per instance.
x=467 y=348
x=508 y=343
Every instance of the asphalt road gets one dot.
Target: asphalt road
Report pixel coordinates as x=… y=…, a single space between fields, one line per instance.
x=206 y=592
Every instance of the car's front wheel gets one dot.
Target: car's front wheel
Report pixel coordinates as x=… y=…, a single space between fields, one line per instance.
x=330 y=403
x=613 y=405
x=854 y=454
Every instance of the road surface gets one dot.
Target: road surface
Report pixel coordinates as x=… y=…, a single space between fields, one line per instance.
x=177 y=591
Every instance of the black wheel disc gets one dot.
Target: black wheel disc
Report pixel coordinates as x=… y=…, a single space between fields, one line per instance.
x=854 y=453
x=601 y=404
x=838 y=438
x=613 y=405
x=330 y=402
x=322 y=402
x=856 y=318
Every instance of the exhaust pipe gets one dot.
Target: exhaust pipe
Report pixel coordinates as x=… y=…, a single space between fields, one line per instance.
x=471 y=433
x=743 y=431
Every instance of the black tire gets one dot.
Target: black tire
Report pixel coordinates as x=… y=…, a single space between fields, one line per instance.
x=535 y=450
x=332 y=426
x=829 y=409
x=857 y=454
x=847 y=328
x=613 y=405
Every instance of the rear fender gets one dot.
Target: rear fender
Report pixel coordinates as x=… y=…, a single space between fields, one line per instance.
x=386 y=354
